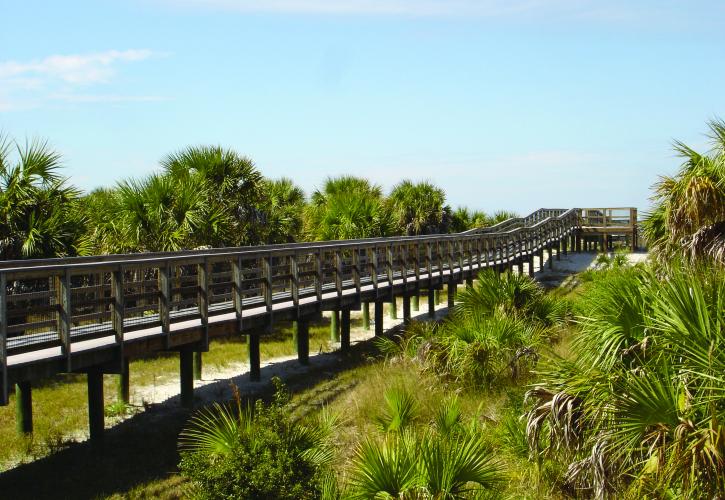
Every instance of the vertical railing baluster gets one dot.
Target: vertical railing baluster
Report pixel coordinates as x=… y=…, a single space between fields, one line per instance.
x=318 y=276
x=118 y=306
x=389 y=260
x=374 y=267
x=295 y=281
x=202 y=277
x=338 y=273
x=267 y=284
x=356 y=269
x=237 y=290
x=164 y=301
x=65 y=315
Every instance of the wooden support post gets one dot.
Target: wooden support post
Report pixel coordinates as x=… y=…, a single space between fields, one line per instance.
x=197 y=365
x=366 y=315
x=255 y=370
x=303 y=341
x=520 y=266
x=415 y=302
x=437 y=296
x=531 y=265
x=335 y=326
x=95 y=407
x=550 y=251
x=345 y=330
x=431 y=303
x=124 y=383
x=451 y=293
x=186 y=376
x=23 y=408
x=393 y=308
x=406 y=308
x=378 y=317
x=558 y=249
x=469 y=282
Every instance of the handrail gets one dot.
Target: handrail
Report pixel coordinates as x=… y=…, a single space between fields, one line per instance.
x=62 y=301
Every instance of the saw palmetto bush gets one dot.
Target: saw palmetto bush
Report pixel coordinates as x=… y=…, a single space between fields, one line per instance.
x=257 y=452
x=444 y=460
x=639 y=409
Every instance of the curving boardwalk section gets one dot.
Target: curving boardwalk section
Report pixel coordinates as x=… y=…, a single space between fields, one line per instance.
x=91 y=314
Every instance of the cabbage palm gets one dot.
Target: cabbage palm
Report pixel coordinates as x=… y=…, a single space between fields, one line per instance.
x=689 y=214
x=282 y=206
x=232 y=186
x=39 y=214
x=346 y=208
x=418 y=208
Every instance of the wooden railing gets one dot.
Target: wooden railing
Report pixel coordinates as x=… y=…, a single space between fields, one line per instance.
x=61 y=313
x=609 y=217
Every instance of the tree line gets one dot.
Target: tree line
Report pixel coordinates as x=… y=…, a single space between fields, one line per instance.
x=203 y=196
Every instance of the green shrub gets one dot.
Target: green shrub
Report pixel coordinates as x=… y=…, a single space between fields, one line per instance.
x=255 y=454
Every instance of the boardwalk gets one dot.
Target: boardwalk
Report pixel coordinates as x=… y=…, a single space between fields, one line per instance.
x=93 y=314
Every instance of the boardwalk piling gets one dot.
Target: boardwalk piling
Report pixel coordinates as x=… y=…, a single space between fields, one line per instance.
x=431 y=303
x=451 y=293
x=345 y=330
x=394 y=308
x=255 y=370
x=186 y=376
x=124 y=383
x=415 y=302
x=378 y=317
x=303 y=341
x=406 y=308
x=335 y=326
x=24 y=408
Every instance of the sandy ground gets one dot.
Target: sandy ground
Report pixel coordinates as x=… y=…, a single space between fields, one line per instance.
x=216 y=383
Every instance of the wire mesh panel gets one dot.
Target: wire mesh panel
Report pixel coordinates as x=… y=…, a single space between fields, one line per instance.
x=141 y=295
x=90 y=305
x=31 y=309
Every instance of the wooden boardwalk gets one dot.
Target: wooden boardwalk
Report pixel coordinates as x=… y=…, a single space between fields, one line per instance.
x=93 y=314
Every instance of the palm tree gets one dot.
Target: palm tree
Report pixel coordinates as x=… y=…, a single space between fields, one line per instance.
x=282 y=207
x=689 y=214
x=418 y=208
x=346 y=208
x=39 y=214
x=162 y=213
x=232 y=186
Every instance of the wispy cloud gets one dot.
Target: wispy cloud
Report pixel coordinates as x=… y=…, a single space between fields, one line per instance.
x=30 y=84
x=400 y=7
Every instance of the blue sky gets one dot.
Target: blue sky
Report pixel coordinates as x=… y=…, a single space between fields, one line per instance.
x=512 y=104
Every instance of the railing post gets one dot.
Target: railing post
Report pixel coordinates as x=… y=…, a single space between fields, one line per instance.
x=338 y=275
x=295 y=282
x=63 y=290
x=267 y=284
x=237 y=290
x=164 y=306
x=3 y=340
x=318 y=276
x=345 y=330
x=356 y=269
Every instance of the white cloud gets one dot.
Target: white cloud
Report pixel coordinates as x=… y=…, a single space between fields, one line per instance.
x=58 y=78
x=74 y=68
